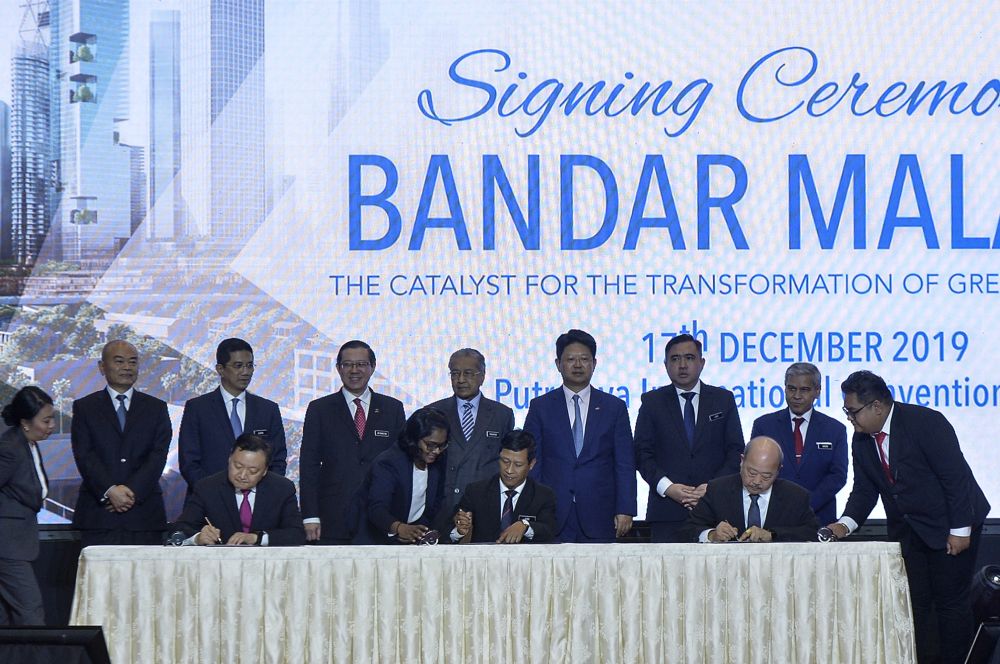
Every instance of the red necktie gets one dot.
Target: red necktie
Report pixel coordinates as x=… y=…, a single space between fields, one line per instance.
x=359 y=418
x=798 y=438
x=246 y=516
x=879 y=438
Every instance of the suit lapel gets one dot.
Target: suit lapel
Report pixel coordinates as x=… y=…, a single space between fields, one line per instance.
x=107 y=411
x=343 y=412
x=674 y=414
x=701 y=417
x=594 y=419
x=786 y=437
x=493 y=518
x=227 y=494
x=483 y=419
x=526 y=499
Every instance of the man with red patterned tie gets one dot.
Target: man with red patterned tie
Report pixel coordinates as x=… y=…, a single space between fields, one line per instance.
x=814 y=444
x=244 y=504
x=342 y=434
x=910 y=457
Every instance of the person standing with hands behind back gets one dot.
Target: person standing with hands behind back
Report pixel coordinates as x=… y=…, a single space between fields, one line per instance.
x=23 y=487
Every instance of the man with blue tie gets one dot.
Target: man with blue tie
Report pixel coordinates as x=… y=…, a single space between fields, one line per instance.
x=212 y=422
x=686 y=434
x=814 y=444
x=585 y=450
x=477 y=426
x=120 y=439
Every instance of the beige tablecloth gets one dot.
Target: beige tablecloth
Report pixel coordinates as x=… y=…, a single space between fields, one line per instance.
x=766 y=603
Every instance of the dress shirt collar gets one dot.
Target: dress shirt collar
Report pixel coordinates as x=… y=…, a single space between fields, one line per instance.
x=888 y=421
x=474 y=401
x=696 y=389
x=517 y=490
x=766 y=495
x=807 y=416
x=113 y=393
x=227 y=398
x=584 y=396
x=366 y=396
x=239 y=492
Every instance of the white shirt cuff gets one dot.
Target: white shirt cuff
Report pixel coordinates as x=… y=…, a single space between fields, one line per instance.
x=961 y=532
x=662 y=486
x=851 y=524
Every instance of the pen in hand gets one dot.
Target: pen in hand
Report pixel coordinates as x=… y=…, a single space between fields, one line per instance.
x=218 y=540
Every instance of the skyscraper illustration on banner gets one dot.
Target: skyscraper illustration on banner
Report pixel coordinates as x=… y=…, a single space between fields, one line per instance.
x=89 y=74
x=166 y=208
x=222 y=118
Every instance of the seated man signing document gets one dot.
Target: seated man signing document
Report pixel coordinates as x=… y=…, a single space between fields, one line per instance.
x=244 y=504
x=754 y=506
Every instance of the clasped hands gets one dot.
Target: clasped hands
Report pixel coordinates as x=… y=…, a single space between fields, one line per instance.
x=686 y=495
x=120 y=499
x=726 y=532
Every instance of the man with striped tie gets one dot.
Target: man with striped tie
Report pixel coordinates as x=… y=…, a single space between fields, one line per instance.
x=477 y=426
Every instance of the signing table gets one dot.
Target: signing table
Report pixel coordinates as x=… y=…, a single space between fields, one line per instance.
x=808 y=603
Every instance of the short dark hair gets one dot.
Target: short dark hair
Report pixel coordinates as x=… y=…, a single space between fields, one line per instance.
x=575 y=337
x=25 y=405
x=420 y=425
x=805 y=369
x=229 y=346
x=518 y=440
x=867 y=387
x=248 y=442
x=680 y=339
x=354 y=343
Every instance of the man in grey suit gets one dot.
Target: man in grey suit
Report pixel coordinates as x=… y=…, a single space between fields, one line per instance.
x=477 y=426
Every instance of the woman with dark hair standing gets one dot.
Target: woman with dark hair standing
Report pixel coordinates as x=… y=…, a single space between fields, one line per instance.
x=406 y=486
x=23 y=487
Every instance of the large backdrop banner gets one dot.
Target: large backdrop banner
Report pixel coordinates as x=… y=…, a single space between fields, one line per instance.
x=785 y=181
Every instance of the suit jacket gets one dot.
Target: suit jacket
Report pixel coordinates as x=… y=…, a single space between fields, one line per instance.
x=934 y=490
x=789 y=517
x=275 y=510
x=475 y=459
x=206 y=436
x=387 y=495
x=537 y=502
x=662 y=449
x=20 y=497
x=333 y=460
x=823 y=470
x=602 y=479
x=106 y=456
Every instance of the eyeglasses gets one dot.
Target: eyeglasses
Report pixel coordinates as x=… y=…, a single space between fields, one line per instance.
x=240 y=366
x=467 y=374
x=354 y=365
x=434 y=447
x=851 y=414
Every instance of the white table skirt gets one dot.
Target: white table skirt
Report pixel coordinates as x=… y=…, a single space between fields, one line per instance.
x=766 y=603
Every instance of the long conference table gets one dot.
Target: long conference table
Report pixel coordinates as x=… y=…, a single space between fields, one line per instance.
x=800 y=603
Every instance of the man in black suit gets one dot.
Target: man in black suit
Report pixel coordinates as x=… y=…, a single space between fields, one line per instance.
x=244 y=504
x=755 y=505
x=510 y=507
x=120 y=440
x=342 y=434
x=686 y=434
x=213 y=421
x=910 y=457
x=477 y=425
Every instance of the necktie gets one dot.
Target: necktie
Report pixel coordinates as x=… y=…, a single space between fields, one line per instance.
x=753 y=514
x=577 y=425
x=234 y=420
x=467 y=422
x=689 y=416
x=507 y=516
x=121 y=411
x=879 y=439
x=798 y=437
x=359 y=418
x=246 y=516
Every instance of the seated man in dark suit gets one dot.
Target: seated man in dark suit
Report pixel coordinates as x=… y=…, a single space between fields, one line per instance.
x=510 y=507
x=754 y=506
x=245 y=504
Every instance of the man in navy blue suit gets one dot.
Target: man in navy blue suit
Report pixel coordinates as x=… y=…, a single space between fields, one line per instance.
x=585 y=450
x=687 y=433
x=910 y=457
x=212 y=422
x=814 y=444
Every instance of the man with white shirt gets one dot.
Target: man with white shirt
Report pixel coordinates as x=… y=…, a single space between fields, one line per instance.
x=244 y=504
x=755 y=505
x=342 y=434
x=814 y=444
x=585 y=452
x=510 y=507
x=476 y=426
x=213 y=421
x=686 y=434
x=910 y=457
x=120 y=439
